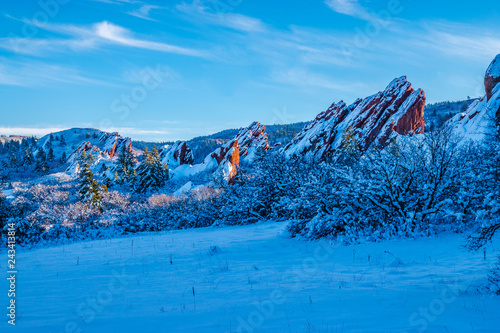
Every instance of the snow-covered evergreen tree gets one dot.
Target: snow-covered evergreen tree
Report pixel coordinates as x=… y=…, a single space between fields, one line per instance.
x=88 y=187
x=63 y=158
x=44 y=168
x=152 y=173
x=85 y=180
x=126 y=164
x=28 y=158
x=50 y=155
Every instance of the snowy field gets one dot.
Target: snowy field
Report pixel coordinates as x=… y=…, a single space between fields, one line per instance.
x=252 y=279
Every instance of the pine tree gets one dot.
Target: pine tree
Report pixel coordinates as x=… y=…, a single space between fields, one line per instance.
x=38 y=165
x=13 y=161
x=41 y=155
x=28 y=158
x=63 y=157
x=44 y=168
x=86 y=178
x=95 y=194
x=153 y=173
x=62 y=143
x=50 y=156
x=51 y=138
x=349 y=144
x=126 y=162
x=88 y=187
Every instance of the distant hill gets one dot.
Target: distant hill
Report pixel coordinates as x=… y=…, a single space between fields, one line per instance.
x=435 y=116
x=204 y=145
x=18 y=138
x=438 y=113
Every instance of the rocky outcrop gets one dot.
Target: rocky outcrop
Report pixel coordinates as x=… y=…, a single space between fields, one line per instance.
x=399 y=109
x=241 y=149
x=177 y=154
x=228 y=161
x=477 y=123
x=104 y=149
x=224 y=161
x=251 y=139
x=492 y=77
x=107 y=145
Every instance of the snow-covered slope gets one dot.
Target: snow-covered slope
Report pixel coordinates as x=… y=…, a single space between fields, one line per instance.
x=252 y=279
x=477 y=122
x=71 y=140
x=399 y=109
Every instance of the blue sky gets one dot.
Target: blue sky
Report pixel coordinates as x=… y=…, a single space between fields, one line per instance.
x=168 y=70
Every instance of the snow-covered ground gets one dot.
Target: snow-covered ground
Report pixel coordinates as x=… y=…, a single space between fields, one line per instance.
x=252 y=279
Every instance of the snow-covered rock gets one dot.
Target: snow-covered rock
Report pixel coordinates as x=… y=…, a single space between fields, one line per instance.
x=399 y=109
x=492 y=77
x=225 y=160
x=177 y=154
x=103 y=146
x=477 y=122
x=251 y=139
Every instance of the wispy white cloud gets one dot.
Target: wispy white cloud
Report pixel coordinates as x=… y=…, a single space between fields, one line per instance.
x=38 y=74
x=144 y=11
x=458 y=39
x=197 y=12
x=88 y=37
x=119 y=35
x=351 y=8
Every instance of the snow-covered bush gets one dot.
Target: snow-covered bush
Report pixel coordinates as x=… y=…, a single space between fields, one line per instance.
x=407 y=189
x=27 y=233
x=162 y=200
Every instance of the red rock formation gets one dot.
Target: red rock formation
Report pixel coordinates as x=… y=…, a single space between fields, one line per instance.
x=177 y=154
x=399 y=109
x=226 y=159
x=476 y=123
x=492 y=77
x=184 y=155
x=252 y=138
x=106 y=146
x=113 y=150
x=221 y=154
